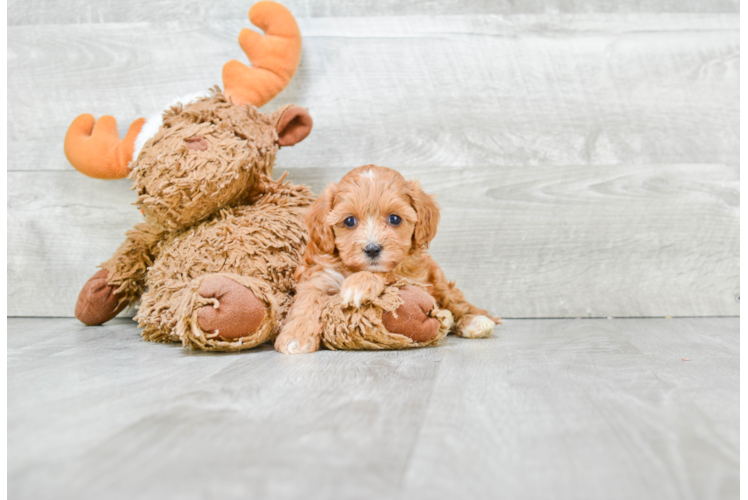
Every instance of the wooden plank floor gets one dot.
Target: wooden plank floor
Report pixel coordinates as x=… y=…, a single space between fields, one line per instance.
x=564 y=409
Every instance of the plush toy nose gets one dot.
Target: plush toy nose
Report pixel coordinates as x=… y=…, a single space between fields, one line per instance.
x=373 y=249
x=196 y=143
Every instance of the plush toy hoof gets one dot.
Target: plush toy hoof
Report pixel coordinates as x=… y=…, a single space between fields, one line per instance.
x=412 y=316
x=238 y=312
x=97 y=302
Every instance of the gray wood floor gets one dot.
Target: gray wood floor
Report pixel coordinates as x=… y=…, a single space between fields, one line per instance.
x=567 y=409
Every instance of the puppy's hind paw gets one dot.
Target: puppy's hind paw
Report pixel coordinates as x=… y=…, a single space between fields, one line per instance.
x=475 y=327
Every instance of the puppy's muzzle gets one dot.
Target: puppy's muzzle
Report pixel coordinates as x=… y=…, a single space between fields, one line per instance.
x=373 y=250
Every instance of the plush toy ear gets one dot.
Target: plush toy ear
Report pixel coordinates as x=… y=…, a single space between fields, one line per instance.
x=428 y=215
x=321 y=237
x=293 y=126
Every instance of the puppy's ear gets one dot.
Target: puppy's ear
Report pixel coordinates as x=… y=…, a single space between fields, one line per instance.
x=321 y=237
x=428 y=215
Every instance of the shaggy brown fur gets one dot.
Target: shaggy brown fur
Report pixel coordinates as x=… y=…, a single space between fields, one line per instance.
x=362 y=327
x=258 y=245
x=178 y=186
x=211 y=209
x=128 y=267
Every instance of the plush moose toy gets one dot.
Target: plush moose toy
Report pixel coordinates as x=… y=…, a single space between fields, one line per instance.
x=213 y=264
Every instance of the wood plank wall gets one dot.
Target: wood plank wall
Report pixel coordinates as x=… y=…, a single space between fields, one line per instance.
x=585 y=154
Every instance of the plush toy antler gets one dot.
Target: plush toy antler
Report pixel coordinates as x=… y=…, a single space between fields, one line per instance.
x=95 y=149
x=274 y=57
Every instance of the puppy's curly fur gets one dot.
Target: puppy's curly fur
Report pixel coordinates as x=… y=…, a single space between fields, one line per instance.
x=371 y=229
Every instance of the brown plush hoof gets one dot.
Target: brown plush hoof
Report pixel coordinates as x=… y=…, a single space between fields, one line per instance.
x=412 y=316
x=239 y=312
x=97 y=302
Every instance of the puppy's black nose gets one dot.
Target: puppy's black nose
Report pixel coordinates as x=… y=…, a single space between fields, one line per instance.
x=373 y=249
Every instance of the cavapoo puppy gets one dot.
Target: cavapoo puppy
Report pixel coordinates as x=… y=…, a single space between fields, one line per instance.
x=370 y=230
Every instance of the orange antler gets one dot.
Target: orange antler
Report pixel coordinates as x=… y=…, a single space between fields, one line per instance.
x=94 y=148
x=274 y=57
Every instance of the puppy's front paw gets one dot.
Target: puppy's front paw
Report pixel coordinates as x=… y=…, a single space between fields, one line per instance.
x=288 y=343
x=475 y=327
x=361 y=287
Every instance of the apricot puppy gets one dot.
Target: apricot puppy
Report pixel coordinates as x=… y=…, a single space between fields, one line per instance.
x=370 y=230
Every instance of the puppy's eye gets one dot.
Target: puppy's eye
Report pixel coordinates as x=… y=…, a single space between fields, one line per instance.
x=350 y=221
x=395 y=220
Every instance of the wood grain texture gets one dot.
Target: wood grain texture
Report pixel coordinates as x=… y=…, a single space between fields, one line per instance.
x=566 y=409
x=219 y=426
x=581 y=241
x=585 y=410
x=411 y=92
x=22 y=12
x=587 y=163
x=61 y=226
